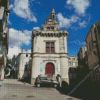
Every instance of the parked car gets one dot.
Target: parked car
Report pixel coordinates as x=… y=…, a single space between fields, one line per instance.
x=44 y=81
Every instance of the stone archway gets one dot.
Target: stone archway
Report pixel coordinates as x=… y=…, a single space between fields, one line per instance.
x=49 y=69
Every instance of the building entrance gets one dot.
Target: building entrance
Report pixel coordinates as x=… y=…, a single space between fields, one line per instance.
x=49 y=69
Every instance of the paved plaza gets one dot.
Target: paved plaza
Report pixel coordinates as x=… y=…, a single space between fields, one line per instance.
x=13 y=89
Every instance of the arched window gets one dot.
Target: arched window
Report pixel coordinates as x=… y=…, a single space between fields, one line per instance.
x=53 y=16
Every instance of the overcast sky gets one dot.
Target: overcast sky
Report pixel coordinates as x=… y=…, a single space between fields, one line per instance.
x=76 y=16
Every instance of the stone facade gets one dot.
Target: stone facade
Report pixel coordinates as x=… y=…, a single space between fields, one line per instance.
x=81 y=57
x=72 y=61
x=4 y=33
x=22 y=64
x=93 y=44
x=41 y=54
x=72 y=64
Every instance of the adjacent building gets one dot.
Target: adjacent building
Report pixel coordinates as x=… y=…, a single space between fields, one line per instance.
x=22 y=64
x=72 y=61
x=82 y=58
x=93 y=51
x=49 y=50
x=4 y=33
x=72 y=64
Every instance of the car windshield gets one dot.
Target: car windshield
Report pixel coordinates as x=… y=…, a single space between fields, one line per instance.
x=43 y=78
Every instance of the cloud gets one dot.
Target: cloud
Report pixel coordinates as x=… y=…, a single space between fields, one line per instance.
x=83 y=24
x=80 y=6
x=13 y=51
x=16 y=40
x=36 y=28
x=9 y=22
x=77 y=42
x=65 y=22
x=11 y=6
x=19 y=38
x=21 y=8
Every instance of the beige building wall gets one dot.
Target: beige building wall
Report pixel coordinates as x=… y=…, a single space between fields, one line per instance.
x=60 y=56
x=4 y=33
x=72 y=61
x=20 y=61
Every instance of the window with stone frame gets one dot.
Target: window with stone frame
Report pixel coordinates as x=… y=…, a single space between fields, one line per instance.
x=73 y=64
x=26 y=55
x=52 y=28
x=73 y=59
x=69 y=63
x=69 y=58
x=50 y=47
x=48 y=28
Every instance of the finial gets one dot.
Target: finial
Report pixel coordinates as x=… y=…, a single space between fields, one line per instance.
x=53 y=10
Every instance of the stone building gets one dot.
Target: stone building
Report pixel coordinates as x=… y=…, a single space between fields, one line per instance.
x=93 y=51
x=72 y=64
x=72 y=61
x=22 y=64
x=81 y=57
x=82 y=63
x=49 y=50
x=4 y=33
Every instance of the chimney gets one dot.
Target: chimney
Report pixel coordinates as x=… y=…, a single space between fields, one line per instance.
x=23 y=51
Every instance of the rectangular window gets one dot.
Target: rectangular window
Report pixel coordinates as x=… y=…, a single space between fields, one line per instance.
x=52 y=28
x=48 y=28
x=73 y=59
x=47 y=49
x=47 y=44
x=69 y=58
x=50 y=47
x=69 y=63
x=73 y=64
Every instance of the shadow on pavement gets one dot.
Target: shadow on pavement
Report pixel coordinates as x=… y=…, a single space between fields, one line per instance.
x=25 y=80
x=85 y=91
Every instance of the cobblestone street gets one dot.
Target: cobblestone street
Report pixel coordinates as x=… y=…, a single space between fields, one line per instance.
x=13 y=89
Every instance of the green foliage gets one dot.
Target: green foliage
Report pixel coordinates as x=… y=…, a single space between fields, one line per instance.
x=6 y=70
x=9 y=63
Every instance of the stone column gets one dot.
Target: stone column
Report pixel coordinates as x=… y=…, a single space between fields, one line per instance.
x=35 y=69
x=64 y=68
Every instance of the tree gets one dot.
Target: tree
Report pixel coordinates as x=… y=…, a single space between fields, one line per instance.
x=9 y=65
x=6 y=71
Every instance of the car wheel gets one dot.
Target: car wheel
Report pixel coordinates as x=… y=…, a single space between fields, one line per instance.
x=55 y=85
x=38 y=85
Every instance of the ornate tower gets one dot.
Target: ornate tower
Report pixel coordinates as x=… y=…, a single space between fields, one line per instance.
x=49 y=49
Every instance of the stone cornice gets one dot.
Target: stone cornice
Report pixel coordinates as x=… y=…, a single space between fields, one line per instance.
x=50 y=57
x=49 y=53
x=50 y=34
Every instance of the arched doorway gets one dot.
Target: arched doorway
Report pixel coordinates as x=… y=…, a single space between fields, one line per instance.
x=49 y=69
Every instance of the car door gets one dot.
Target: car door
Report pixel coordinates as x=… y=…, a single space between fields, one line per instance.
x=44 y=81
x=49 y=82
